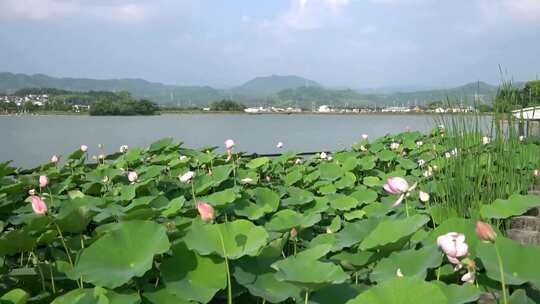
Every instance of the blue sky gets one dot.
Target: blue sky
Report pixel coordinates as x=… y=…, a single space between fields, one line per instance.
x=354 y=43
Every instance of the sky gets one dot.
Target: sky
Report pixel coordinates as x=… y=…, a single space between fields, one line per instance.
x=222 y=43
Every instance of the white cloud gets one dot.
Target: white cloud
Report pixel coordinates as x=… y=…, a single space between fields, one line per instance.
x=35 y=9
x=38 y=10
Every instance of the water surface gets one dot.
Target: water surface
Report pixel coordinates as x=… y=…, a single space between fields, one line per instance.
x=30 y=140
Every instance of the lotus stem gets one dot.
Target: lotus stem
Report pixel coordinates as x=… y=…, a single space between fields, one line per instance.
x=52 y=279
x=501 y=272
x=193 y=192
x=229 y=287
x=306 y=297
x=406 y=207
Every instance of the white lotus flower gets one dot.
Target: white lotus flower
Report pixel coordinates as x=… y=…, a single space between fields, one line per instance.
x=123 y=148
x=186 y=177
x=486 y=140
x=279 y=145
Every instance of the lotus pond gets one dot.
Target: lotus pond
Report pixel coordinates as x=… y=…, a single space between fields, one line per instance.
x=392 y=220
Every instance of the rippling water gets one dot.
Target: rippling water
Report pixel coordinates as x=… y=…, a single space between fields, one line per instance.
x=30 y=140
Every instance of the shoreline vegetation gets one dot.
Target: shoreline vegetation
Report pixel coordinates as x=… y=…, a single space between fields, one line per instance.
x=99 y=103
x=403 y=214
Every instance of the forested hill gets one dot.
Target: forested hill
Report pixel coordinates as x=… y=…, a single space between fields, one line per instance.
x=271 y=90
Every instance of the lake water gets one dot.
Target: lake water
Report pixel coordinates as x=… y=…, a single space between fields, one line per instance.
x=30 y=140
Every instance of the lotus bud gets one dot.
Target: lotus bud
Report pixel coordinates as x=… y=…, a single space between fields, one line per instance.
x=55 y=159
x=279 y=145
x=298 y=161
x=485 y=232
x=183 y=158
x=424 y=196
x=43 y=181
x=364 y=136
x=294 y=233
x=123 y=148
x=268 y=178
x=229 y=144
x=133 y=176
x=38 y=205
x=84 y=148
x=399 y=273
x=536 y=173
x=186 y=177
x=468 y=277
x=101 y=156
x=521 y=138
x=206 y=211
x=246 y=180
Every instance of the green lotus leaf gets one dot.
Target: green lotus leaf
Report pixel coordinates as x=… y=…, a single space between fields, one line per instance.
x=15 y=241
x=346 y=181
x=390 y=231
x=238 y=238
x=354 y=215
x=15 y=296
x=293 y=269
x=255 y=274
x=221 y=198
x=515 y=205
x=387 y=155
x=267 y=199
x=459 y=294
x=327 y=189
x=351 y=234
x=406 y=290
x=298 y=196
x=520 y=297
x=123 y=253
x=293 y=177
x=352 y=260
x=330 y=171
x=96 y=296
x=257 y=162
x=220 y=174
x=338 y=293
x=407 y=164
x=411 y=263
x=163 y=296
x=342 y=202
x=286 y=219
x=191 y=276
x=160 y=144
x=366 y=163
x=520 y=262
x=372 y=181
x=365 y=196
x=75 y=215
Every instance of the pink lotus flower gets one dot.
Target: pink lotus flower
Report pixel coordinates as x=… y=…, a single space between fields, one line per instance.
x=229 y=144
x=454 y=246
x=43 y=181
x=133 y=176
x=38 y=205
x=398 y=185
x=206 y=211
x=294 y=233
x=84 y=148
x=55 y=159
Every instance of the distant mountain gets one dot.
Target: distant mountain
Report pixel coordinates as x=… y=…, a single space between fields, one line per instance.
x=270 y=85
x=271 y=90
x=467 y=94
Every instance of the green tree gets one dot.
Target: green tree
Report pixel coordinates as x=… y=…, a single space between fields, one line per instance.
x=227 y=105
